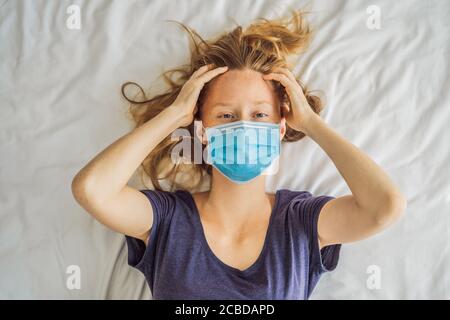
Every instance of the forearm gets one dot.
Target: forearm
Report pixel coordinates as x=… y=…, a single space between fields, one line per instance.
x=108 y=172
x=371 y=187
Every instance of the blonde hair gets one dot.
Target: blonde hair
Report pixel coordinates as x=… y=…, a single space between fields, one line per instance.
x=262 y=46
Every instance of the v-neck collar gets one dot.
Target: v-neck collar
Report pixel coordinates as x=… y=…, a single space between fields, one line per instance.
x=253 y=267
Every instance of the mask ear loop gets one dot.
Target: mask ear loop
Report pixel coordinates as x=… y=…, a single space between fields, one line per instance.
x=200 y=131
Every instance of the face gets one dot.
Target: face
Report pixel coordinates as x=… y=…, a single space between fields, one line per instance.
x=241 y=95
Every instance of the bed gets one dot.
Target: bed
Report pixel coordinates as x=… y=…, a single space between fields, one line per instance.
x=384 y=68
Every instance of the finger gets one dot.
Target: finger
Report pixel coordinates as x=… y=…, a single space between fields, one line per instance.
x=207 y=76
x=201 y=70
x=286 y=72
x=283 y=79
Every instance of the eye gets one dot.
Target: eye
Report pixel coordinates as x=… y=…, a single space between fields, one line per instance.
x=226 y=116
x=261 y=115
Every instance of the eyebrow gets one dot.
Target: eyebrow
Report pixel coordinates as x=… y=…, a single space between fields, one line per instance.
x=224 y=104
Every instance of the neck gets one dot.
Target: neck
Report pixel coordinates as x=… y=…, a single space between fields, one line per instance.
x=231 y=202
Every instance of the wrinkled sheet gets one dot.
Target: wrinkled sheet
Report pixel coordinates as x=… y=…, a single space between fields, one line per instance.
x=387 y=91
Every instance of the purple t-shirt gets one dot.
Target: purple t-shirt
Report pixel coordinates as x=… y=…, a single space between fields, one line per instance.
x=179 y=264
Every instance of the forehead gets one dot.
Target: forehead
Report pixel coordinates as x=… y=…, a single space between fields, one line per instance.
x=240 y=86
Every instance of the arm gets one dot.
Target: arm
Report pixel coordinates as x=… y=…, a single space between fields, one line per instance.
x=375 y=201
x=101 y=186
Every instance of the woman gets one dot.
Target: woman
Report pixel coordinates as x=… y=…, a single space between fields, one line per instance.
x=234 y=240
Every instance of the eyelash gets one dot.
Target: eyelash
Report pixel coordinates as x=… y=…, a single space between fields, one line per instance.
x=263 y=113
x=226 y=114
x=223 y=115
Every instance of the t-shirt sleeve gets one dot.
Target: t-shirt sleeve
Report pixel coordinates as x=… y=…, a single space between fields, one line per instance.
x=309 y=208
x=143 y=257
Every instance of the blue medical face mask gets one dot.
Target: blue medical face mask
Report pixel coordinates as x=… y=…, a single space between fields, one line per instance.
x=242 y=150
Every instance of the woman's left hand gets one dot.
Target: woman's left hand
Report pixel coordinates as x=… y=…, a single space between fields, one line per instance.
x=298 y=115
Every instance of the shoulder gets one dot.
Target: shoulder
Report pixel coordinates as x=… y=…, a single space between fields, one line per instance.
x=287 y=196
x=290 y=194
x=167 y=200
x=301 y=202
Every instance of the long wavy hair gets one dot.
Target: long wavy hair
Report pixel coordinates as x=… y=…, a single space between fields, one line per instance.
x=262 y=46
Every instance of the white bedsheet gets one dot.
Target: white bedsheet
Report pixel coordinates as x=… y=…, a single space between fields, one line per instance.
x=387 y=92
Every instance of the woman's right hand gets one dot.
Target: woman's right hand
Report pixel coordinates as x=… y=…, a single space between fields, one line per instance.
x=186 y=101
